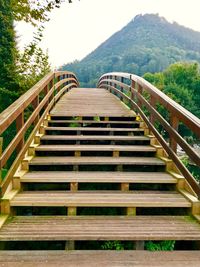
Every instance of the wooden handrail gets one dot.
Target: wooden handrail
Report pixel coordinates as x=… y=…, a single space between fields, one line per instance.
x=52 y=87
x=133 y=91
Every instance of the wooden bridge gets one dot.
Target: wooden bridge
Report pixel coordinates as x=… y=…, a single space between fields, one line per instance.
x=81 y=166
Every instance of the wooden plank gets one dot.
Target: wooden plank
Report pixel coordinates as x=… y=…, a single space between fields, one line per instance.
x=95 y=258
x=98 y=177
x=95 y=129
x=91 y=102
x=94 y=137
x=100 y=228
x=94 y=122
x=96 y=160
x=135 y=148
x=100 y=199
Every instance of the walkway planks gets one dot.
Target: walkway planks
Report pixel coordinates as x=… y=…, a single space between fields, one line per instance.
x=99 y=258
x=90 y=102
x=24 y=228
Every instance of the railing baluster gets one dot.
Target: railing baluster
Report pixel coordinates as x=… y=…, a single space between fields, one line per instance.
x=174 y=122
x=35 y=103
x=153 y=104
x=1 y=150
x=19 y=125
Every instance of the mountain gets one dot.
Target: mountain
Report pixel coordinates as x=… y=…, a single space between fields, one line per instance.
x=149 y=43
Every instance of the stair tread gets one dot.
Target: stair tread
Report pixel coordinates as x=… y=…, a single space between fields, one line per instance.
x=84 y=258
x=100 y=199
x=142 y=148
x=93 y=129
x=94 y=137
x=94 y=122
x=96 y=160
x=111 y=177
x=100 y=228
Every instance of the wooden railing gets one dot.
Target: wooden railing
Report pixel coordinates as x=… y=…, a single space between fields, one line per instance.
x=26 y=115
x=143 y=97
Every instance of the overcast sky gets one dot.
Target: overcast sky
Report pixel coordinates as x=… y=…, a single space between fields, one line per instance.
x=77 y=29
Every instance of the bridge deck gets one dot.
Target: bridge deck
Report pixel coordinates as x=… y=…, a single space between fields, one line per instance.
x=90 y=102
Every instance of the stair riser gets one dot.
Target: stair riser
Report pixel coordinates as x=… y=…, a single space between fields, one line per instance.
x=103 y=167
x=95 y=132
x=104 y=211
x=94 y=142
x=93 y=124
x=95 y=186
x=53 y=117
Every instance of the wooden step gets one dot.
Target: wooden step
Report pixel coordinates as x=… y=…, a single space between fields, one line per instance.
x=98 y=258
x=24 y=228
x=96 y=161
x=95 y=137
x=94 y=129
x=101 y=122
x=135 y=148
x=100 y=199
x=98 y=177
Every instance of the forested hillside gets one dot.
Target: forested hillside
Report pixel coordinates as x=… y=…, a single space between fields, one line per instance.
x=149 y=43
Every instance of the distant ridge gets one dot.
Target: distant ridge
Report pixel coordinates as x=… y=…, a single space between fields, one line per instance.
x=149 y=43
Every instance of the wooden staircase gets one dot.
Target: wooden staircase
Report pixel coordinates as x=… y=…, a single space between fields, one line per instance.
x=94 y=174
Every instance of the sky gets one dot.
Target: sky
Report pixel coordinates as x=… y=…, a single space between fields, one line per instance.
x=77 y=29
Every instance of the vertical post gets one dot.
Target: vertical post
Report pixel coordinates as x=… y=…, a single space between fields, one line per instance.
x=140 y=89
x=132 y=90
x=35 y=104
x=1 y=150
x=153 y=104
x=19 y=125
x=174 y=122
x=50 y=85
x=46 y=90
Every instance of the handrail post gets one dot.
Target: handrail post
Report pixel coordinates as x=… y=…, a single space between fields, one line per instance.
x=46 y=90
x=1 y=151
x=19 y=125
x=153 y=104
x=174 y=122
x=35 y=104
x=133 y=83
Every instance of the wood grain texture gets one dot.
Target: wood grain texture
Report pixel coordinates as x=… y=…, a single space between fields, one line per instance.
x=99 y=258
x=100 y=228
x=98 y=177
x=91 y=102
x=100 y=199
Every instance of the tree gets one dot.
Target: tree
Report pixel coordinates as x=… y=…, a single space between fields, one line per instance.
x=8 y=52
x=34 y=11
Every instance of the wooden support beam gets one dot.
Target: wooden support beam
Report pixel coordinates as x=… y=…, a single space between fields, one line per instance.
x=131 y=211
x=139 y=245
x=77 y=153
x=116 y=154
x=124 y=187
x=174 y=122
x=74 y=187
x=71 y=211
x=19 y=126
x=70 y=245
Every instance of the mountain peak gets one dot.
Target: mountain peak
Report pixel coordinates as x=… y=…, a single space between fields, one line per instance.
x=149 y=43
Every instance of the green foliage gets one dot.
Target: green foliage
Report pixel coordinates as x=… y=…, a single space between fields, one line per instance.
x=149 y=43
x=34 y=10
x=8 y=50
x=4 y=173
x=33 y=65
x=180 y=81
x=112 y=245
x=167 y=245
